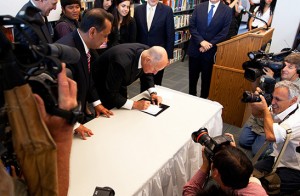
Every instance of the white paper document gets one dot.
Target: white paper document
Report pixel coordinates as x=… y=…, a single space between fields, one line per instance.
x=153 y=109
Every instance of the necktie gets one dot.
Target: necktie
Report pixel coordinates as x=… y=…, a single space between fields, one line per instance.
x=150 y=17
x=210 y=14
x=88 y=55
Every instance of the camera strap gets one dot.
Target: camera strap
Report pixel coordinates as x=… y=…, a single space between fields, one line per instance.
x=287 y=116
x=266 y=143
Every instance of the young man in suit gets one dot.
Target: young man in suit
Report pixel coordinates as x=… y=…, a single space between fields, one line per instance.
x=36 y=32
x=155 y=27
x=208 y=28
x=94 y=29
x=120 y=66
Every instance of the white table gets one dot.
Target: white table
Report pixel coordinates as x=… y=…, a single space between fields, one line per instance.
x=138 y=154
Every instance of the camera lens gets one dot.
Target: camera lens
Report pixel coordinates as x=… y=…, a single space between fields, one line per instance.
x=249 y=97
x=201 y=136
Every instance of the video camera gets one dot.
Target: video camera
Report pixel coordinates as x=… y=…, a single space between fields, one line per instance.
x=37 y=65
x=260 y=59
x=212 y=145
x=267 y=85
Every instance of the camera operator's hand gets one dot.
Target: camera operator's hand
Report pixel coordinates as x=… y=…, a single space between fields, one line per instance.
x=60 y=129
x=83 y=131
x=67 y=93
x=205 y=167
x=100 y=109
x=258 y=108
x=232 y=143
x=268 y=71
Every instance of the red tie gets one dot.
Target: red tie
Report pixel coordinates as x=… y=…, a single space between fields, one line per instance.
x=88 y=55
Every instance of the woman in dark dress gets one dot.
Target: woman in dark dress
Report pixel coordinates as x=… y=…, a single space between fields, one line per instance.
x=124 y=26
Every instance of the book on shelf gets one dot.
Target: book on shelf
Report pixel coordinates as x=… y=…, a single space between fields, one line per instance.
x=180 y=5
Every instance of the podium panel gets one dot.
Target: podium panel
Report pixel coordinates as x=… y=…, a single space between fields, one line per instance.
x=229 y=85
x=228 y=82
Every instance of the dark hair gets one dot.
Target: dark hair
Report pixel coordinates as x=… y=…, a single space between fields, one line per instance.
x=64 y=3
x=262 y=6
x=95 y=18
x=234 y=167
x=99 y=4
x=115 y=13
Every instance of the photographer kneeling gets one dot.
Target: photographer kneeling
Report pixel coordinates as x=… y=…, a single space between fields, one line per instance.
x=231 y=169
x=284 y=115
x=252 y=135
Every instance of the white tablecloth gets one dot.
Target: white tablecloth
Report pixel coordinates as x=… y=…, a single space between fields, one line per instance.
x=138 y=154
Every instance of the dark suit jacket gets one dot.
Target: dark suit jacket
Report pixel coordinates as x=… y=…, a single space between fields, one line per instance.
x=85 y=85
x=126 y=34
x=162 y=32
x=215 y=33
x=36 y=33
x=116 y=69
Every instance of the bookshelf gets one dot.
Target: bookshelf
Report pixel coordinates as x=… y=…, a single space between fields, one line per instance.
x=182 y=10
x=87 y=4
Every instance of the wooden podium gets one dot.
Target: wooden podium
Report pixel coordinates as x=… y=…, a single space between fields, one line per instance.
x=228 y=82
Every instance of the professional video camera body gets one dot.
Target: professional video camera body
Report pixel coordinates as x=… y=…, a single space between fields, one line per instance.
x=260 y=59
x=212 y=145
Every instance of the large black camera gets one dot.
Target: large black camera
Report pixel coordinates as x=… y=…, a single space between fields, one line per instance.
x=267 y=85
x=212 y=145
x=37 y=65
x=260 y=59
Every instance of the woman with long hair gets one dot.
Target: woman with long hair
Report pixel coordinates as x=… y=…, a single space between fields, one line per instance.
x=124 y=26
x=265 y=12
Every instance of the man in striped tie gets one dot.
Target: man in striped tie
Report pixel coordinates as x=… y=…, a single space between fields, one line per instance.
x=94 y=29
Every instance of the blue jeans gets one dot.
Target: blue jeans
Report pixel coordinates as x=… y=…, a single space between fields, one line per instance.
x=250 y=140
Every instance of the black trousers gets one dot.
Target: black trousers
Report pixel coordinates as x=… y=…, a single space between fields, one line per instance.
x=202 y=64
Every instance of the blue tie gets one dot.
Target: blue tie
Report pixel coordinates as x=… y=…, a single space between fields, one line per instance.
x=210 y=14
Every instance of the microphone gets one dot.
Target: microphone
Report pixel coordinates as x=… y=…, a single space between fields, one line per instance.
x=243 y=10
x=64 y=53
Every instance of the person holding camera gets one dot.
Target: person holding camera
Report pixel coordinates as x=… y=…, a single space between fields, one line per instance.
x=284 y=116
x=231 y=169
x=94 y=29
x=291 y=69
x=253 y=135
x=62 y=133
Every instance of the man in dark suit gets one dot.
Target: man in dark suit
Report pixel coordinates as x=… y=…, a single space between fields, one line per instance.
x=94 y=29
x=155 y=27
x=208 y=28
x=120 y=66
x=37 y=33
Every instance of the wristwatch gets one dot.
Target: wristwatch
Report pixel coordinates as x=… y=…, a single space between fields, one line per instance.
x=72 y=116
